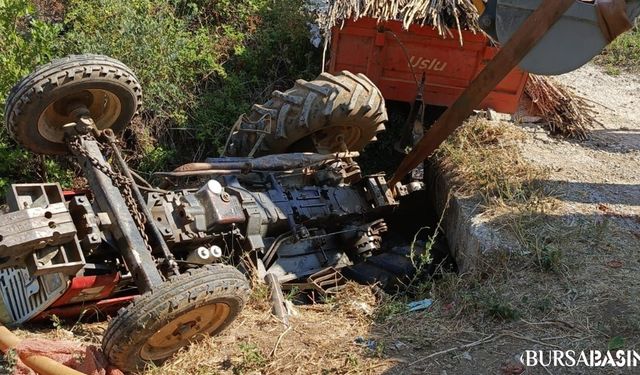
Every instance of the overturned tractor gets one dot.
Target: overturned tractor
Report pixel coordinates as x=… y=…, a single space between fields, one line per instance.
x=287 y=201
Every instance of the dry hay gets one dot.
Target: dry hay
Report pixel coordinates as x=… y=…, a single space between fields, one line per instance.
x=321 y=339
x=483 y=158
x=440 y=14
x=563 y=112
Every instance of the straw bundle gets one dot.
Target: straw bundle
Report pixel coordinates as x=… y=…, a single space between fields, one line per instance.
x=439 y=14
x=564 y=113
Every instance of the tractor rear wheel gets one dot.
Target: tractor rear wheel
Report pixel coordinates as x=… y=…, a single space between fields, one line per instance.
x=332 y=113
x=188 y=307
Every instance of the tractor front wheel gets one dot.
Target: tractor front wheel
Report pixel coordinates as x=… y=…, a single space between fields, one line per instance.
x=188 y=307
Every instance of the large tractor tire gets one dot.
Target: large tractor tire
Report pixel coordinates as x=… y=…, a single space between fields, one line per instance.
x=188 y=307
x=43 y=102
x=332 y=113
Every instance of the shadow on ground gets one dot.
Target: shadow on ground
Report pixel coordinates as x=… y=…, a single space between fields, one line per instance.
x=572 y=286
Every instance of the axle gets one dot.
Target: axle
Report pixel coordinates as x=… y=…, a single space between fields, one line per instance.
x=111 y=199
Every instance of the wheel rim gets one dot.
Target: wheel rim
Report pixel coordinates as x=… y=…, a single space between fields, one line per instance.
x=104 y=107
x=333 y=139
x=183 y=329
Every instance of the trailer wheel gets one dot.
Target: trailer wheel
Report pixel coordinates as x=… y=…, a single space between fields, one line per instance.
x=188 y=307
x=42 y=103
x=325 y=115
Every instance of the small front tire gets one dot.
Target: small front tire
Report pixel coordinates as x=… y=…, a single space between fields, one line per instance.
x=42 y=103
x=188 y=307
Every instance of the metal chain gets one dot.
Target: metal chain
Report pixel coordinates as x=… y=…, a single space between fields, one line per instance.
x=119 y=180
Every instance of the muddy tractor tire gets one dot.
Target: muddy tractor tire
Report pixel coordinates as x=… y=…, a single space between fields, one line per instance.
x=43 y=102
x=329 y=114
x=188 y=307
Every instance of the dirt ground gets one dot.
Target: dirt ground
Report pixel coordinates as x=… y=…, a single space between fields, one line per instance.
x=573 y=285
x=584 y=294
x=604 y=169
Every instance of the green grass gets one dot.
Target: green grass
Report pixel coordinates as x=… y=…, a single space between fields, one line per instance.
x=624 y=53
x=252 y=358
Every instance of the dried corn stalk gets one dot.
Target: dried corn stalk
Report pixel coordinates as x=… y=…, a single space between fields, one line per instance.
x=564 y=113
x=440 y=14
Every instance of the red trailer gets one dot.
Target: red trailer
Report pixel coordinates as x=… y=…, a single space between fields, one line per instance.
x=378 y=50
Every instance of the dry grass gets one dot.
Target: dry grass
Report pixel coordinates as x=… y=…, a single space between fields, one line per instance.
x=321 y=339
x=484 y=159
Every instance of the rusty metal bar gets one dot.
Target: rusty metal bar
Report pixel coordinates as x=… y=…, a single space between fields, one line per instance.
x=137 y=258
x=38 y=363
x=522 y=42
x=278 y=307
x=208 y=172
x=169 y=259
x=277 y=162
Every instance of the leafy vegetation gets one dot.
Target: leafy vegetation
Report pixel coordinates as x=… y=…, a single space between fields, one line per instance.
x=169 y=59
x=624 y=52
x=201 y=64
x=25 y=43
x=252 y=358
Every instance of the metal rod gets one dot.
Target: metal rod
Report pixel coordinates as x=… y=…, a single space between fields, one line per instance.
x=169 y=259
x=522 y=42
x=277 y=162
x=140 y=179
x=277 y=299
x=208 y=172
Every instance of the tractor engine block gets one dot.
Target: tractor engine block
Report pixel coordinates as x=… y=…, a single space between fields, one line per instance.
x=261 y=209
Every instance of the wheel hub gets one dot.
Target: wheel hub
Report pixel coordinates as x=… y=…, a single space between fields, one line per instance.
x=103 y=106
x=183 y=329
x=335 y=138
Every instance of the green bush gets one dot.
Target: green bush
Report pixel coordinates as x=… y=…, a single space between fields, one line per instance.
x=201 y=64
x=25 y=43
x=169 y=59
x=623 y=52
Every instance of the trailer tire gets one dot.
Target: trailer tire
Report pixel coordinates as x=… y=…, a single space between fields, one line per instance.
x=41 y=103
x=322 y=115
x=199 y=302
